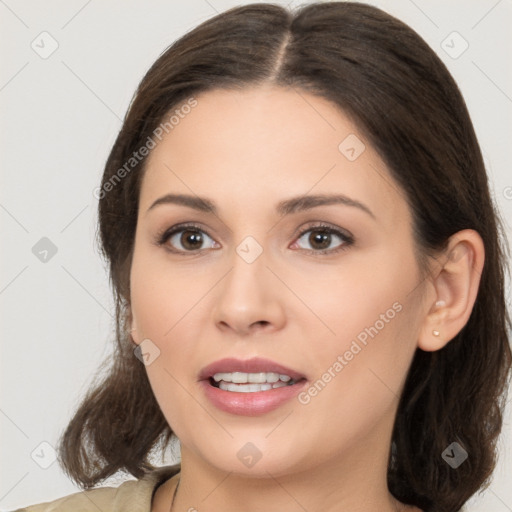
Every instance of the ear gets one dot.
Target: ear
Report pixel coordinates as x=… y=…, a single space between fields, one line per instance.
x=456 y=284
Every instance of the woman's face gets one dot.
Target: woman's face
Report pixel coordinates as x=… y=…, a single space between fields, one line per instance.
x=250 y=280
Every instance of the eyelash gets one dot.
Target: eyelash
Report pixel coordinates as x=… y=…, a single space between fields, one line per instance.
x=163 y=236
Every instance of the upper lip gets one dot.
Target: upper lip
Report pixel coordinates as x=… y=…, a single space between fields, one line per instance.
x=253 y=365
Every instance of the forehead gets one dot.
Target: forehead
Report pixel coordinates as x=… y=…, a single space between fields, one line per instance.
x=262 y=144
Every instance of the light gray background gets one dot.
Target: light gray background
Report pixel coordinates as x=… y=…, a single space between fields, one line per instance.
x=60 y=116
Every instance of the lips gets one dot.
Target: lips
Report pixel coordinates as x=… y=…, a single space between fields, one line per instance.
x=254 y=365
x=249 y=403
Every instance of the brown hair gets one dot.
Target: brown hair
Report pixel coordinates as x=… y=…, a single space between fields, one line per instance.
x=403 y=99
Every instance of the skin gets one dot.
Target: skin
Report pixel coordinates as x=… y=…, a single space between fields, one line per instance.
x=246 y=151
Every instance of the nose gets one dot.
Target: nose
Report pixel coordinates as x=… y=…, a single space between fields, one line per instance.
x=249 y=299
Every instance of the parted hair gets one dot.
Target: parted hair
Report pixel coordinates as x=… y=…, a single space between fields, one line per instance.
x=404 y=101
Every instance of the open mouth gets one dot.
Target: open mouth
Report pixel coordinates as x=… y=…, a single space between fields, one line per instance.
x=250 y=387
x=239 y=382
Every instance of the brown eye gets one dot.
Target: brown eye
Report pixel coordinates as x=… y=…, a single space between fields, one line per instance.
x=183 y=239
x=191 y=240
x=320 y=238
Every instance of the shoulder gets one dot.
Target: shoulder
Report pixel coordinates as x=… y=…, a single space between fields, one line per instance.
x=133 y=495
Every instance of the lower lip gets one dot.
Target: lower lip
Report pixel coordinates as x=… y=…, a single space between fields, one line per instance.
x=251 y=404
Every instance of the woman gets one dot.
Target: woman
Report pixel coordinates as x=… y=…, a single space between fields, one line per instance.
x=309 y=277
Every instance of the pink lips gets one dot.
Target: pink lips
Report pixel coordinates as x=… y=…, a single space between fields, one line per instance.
x=254 y=403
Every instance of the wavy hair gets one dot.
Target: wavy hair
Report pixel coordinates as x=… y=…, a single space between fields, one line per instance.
x=398 y=92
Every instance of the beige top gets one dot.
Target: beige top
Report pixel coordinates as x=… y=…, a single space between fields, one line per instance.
x=130 y=496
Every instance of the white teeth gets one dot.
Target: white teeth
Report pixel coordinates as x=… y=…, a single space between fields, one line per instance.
x=249 y=388
x=256 y=378
x=253 y=378
x=241 y=382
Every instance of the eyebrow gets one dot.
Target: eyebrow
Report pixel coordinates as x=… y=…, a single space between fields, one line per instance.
x=286 y=207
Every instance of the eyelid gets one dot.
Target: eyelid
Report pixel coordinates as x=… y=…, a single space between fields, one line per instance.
x=341 y=233
x=163 y=236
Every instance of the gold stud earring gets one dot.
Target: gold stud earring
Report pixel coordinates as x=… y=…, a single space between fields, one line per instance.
x=435 y=333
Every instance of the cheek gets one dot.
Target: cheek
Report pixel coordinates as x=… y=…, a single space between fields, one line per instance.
x=359 y=374
x=363 y=300
x=160 y=297
x=165 y=303
x=362 y=351
x=160 y=302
